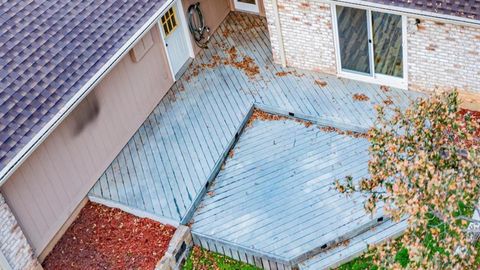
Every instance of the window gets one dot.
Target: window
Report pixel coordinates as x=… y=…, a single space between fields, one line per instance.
x=370 y=45
x=169 y=21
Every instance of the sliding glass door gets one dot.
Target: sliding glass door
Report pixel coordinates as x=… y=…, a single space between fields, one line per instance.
x=370 y=45
x=387 y=44
x=353 y=39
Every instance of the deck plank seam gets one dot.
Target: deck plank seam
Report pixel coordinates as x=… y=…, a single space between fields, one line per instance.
x=187 y=217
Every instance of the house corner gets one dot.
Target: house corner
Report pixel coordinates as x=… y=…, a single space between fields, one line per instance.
x=15 y=251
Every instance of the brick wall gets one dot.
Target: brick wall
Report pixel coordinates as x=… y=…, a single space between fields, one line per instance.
x=440 y=55
x=307 y=34
x=443 y=56
x=13 y=243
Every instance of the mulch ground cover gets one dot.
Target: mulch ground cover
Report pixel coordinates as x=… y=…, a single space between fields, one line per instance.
x=475 y=115
x=108 y=238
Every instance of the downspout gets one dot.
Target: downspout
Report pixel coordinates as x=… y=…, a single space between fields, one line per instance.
x=281 y=48
x=4 y=265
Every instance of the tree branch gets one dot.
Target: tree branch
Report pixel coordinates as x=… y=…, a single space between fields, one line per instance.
x=468 y=219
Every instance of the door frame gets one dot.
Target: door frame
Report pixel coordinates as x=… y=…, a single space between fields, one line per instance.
x=177 y=5
x=374 y=78
x=247 y=7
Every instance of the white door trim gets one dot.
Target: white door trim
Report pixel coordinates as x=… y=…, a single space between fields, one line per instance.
x=370 y=42
x=246 y=7
x=374 y=78
x=186 y=32
x=183 y=23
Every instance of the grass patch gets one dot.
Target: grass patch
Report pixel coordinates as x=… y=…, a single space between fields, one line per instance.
x=365 y=262
x=360 y=263
x=202 y=259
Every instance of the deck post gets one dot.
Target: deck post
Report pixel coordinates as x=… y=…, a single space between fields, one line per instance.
x=281 y=48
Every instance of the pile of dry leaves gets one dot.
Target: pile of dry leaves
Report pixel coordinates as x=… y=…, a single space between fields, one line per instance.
x=360 y=97
x=264 y=116
x=242 y=62
x=290 y=72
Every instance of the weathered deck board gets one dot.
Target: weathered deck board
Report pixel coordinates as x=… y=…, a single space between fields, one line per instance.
x=168 y=160
x=358 y=245
x=275 y=194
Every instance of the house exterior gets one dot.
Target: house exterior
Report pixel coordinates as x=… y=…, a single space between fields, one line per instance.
x=117 y=88
x=440 y=41
x=71 y=96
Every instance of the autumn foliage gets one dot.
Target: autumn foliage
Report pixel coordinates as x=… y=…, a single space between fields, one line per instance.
x=425 y=166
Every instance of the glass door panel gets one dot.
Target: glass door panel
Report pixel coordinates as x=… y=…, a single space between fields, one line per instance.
x=387 y=44
x=353 y=38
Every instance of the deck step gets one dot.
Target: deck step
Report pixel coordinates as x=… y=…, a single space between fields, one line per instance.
x=246 y=255
x=356 y=246
x=329 y=259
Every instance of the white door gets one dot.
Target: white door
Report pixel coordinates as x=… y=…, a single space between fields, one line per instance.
x=173 y=33
x=247 y=5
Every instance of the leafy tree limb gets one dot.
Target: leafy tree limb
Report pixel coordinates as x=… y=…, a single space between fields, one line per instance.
x=425 y=165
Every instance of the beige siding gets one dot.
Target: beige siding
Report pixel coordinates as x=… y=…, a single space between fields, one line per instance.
x=214 y=12
x=45 y=190
x=261 y=8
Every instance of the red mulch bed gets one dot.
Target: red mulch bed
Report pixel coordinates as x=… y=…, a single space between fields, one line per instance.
x=475 y=115
x=108 y=238
x=476 y=135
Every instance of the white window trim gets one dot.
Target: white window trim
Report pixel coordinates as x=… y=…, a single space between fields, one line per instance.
x=401 y=83
x=246 y=7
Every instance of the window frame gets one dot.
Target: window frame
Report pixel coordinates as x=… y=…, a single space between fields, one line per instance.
x=167 y=20
x=375 y=78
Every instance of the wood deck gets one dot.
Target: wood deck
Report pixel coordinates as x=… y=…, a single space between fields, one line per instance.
x=274 y=196
x=335 y=257
x=167 y=162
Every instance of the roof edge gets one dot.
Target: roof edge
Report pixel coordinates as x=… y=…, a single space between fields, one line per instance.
x=46 y=130
x=408 y=11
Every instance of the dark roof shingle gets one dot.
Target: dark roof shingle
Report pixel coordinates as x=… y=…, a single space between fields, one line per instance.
x=469 y=9
x=49 y=50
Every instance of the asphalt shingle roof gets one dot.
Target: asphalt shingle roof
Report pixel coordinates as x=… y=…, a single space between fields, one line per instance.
x=49 y=50
x=469 y=9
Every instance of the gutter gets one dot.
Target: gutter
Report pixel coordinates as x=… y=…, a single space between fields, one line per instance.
x=28 y=149
x=407 y=11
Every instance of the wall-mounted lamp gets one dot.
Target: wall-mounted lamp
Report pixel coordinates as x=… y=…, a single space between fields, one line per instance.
x=417 y=22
